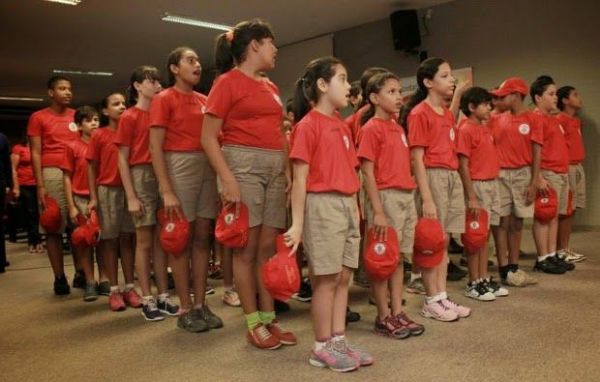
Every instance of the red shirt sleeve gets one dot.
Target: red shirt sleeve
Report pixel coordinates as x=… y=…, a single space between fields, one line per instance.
x=370 y=144
x=160 y=112
x=92 y=151
x=465 y=140
x=537 y=129
x=34 y=127
x=125 y=131
x=418 y=130
x=220 y=99
x=304 y=143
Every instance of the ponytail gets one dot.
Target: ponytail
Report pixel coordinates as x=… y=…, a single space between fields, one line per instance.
x=375 y=85
x=141 y=73
x=364 y=80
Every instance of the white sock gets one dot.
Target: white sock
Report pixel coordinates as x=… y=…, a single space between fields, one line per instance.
x=543 y=257
x=338 y=337
x=443 y=296
x=414 y=276
x=430 y=299
x=163 y=296
x=319 y=345
x=129 y=287
x=114 y=289
x=146 y=299
x=552 y=254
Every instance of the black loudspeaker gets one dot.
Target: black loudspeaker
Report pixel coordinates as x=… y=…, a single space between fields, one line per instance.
x=405 y=30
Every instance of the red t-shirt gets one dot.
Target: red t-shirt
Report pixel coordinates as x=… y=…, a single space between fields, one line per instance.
x=55 y=132
x=434 y=132
x=325 y=143
x=384 y=143
x=477 y=143
x=181 y=115
x=555 y=152
x=572 y=127
x=76 y=163
x=24 y=169
x=513 y=135
x=134 y=132
x=353 y=123
x=104 y=151
x=251 y=111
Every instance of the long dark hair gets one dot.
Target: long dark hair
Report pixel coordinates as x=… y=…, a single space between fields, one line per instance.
x=562 y=93
x=306 y=94
x=140 y=74
x=103 y=105
x=364 y=80
x=375 y=84
x=427 y=70
x=173 y=59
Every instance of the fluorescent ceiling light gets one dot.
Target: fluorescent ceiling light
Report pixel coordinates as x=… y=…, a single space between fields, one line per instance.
x=83 y=73
x=68 y=2
x=197 y=23
x=29 y=99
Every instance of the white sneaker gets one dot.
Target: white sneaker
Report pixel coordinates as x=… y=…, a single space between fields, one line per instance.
x=515 y=279
x=495 y=288
x=572 y=256
x=479 y=291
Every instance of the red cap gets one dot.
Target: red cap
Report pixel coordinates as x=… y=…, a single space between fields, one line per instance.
x=50 y=218
x=174 y=233
x=78 y=236
x=546 y=207
x=511 y=85
x=430 y=242
x=230 y=231
x=476 y=231
x=280 y=273
x=381 y=257
x=87 y=232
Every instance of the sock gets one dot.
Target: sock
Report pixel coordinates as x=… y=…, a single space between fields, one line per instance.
x=443 y=296
x=129 y=287
x=513 y=267
x=543 y=257
x=146 y=299
x=266 y=317
x=552 y=254
x=114 y=289
x=163 y=296
x=319 y=345
x=503 y=271
x=430 y=299
x=338 y=336
x=414 y=276
x=252 y=320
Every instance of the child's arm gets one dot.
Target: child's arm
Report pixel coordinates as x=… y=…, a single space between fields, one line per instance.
x=461 y=88
x=91 y=169
x=36 y=161
x=379 y=219
x=170 y=200
x=294 y=235
x=14 y=161
x=418 y=164
x=463 y=169
x=134 y=205
x=538 y=183
x=73 y=211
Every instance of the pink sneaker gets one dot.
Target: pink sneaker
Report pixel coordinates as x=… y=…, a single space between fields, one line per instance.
x=438 y=311
x=115 y=302
x=462 y=311
x=132 y=298
x=362 y=357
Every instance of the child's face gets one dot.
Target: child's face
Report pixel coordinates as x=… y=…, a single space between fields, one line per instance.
x=389 y=98
x=116 y=106
x=88 y=125
x=148 y=88
x=574 y=100
x=267 y=51
x=189 y=68
x=443 y=83
x=338 y=88
x=61 y=93
x=482 y=111
x=547 y=101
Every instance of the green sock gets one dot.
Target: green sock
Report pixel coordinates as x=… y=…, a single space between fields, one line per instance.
x=266 y=317
x=252 y=320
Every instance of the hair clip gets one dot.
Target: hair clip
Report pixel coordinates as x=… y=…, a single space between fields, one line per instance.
x=229 y=36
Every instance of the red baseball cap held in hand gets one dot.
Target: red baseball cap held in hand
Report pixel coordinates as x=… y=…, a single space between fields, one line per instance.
x=87 y=232
x=280 y=273
x=476 y=231
x=230 y=231
x=546 y=206
x=511 y=85
x=174 y=233
x=381 y=257
x=50 y=218
x=429 y=243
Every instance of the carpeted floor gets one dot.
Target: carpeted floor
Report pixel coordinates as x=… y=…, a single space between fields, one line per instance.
x=549 y=332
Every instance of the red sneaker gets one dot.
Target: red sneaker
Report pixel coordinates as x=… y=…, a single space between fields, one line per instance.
x=284 y=336
x=115 y=302
x=132 y=298
x=262 y=338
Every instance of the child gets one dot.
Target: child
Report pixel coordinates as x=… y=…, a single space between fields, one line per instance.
x=141 y=190
x=479 y=167
x=186 y=181
x=385 y=159
x=106 y=192
x=324 y=207
x=245 y=107
x=431 y=135
x=569 y=103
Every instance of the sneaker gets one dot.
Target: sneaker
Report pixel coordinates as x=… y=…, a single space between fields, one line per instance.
x=362 y=357
x=231 y=298
x=352 y=316
x=515 y=279
x=577 y=257
x=495 y=288
x=390 y=327
x=216 y=273
x=79 y=281
x=214 y=322
x=132 y=298
x=416 y=286
x=165 y=306
x=91 y=292
x=360 y=279
x=333 y=359
x=262 y=338
x=170 y=281
x=305 y=292
x=150 y=311
x=479 y=291
x=438 y=311
x=104 y=288
x=209 y=290
x=415 y=329
x=191 y=322
x=569 y=266
x=462 y=311
x=549 y=265
x=115 y=302
x=454 y=247
x=284 y=336
x=455 y=273
x=61 y=286
x=527 y=278
x=281 y=306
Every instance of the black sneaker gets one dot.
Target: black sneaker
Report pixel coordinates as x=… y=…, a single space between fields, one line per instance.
x=61 y=286
x=192 y=322
x=167 y=307
x=213 y=321
x=352 y=316
x=565 y=264
x=454 y=247
x=150 y=311
x=79 y=281
x=91 y=292
x=170 y=281
x=281 y=306
x=407 y=266
x=104 y=288
x=549 y=265
x=305 y=292
x=209 y=290
x=455 y=273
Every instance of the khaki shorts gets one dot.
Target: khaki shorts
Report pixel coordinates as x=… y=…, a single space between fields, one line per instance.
x=577 y=184
x=195 y=183
x=448 y=196
x=513 y=184
x=400 y=210
x=53 y=181
x=488 y=196
x=261 y=177
x=113 y=213
x=146 y=189
x=560 y=183
x=331 y=232
x=81 y=203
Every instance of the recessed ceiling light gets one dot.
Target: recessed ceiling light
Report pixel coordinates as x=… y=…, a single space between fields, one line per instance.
x=170 y=17
x=28 y=99
x=82 y=72
x=68 y=2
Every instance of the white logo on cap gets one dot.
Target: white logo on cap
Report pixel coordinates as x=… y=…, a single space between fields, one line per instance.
x=346 y=142
x=474 y=225
x=524 y=129
x=404 y=140
x=170 y=227
x=452 y=135
x=561 y=129
x=544 y=200
x=229 y=218
x=73 y=127
x=379 y=248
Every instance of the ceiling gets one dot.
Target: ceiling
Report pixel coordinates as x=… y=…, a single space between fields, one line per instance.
x=116 y=36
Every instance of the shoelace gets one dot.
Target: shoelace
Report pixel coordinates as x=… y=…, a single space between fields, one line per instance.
x=152 y=305
x=263 y=333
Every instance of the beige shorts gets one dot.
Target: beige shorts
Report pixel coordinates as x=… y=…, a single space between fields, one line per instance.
x=560 y=183
x=146 y=189
x=261 y=177
x=400 y=210
x=448 y=196
x=112 y=212
x=195 y=183
x=513 y=184
x=81 y=203
x=331 y=232
x=488 y=196
x=53 y=181
x=577 y=184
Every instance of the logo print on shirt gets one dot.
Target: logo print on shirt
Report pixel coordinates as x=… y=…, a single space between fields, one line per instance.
x=229 y=218
x=474 y=225
x=73 y=127
x=452 y=135
x=379 y=248
x=170 y=227
x=277 y=99
x=544 y=200
x=524 y=129
x=346 y=142
x=404 y=140
x=561 y=129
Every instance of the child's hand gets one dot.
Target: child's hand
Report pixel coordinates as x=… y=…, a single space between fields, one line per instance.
x=73 y=212
x=429 y=210
x=474 y=207
x=135 y=207
x=380 y=224
x=293 y=237
x=172 y=205
x=92 y=204
x=41 y=193
x=231 y=192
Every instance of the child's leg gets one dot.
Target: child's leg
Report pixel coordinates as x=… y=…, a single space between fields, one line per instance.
x=473 y=261
x=87 y=264
x=514 y=239
x=54 y=247
x=380 y=292
x=180 y=266
x=266 y=249
x=340 y=302
x=159 y=262
x=143 y=252
x=442 y=271
x=227 y=266
x=396 y=285
x=541 y=236
x=564 y=231
x=483 y=262
x=108 y=248
x=430 y=277
x=552 y=235
x=200 y=254
x=126 y=251
x=322 y=305
x=244 y=261
x=500 y=233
